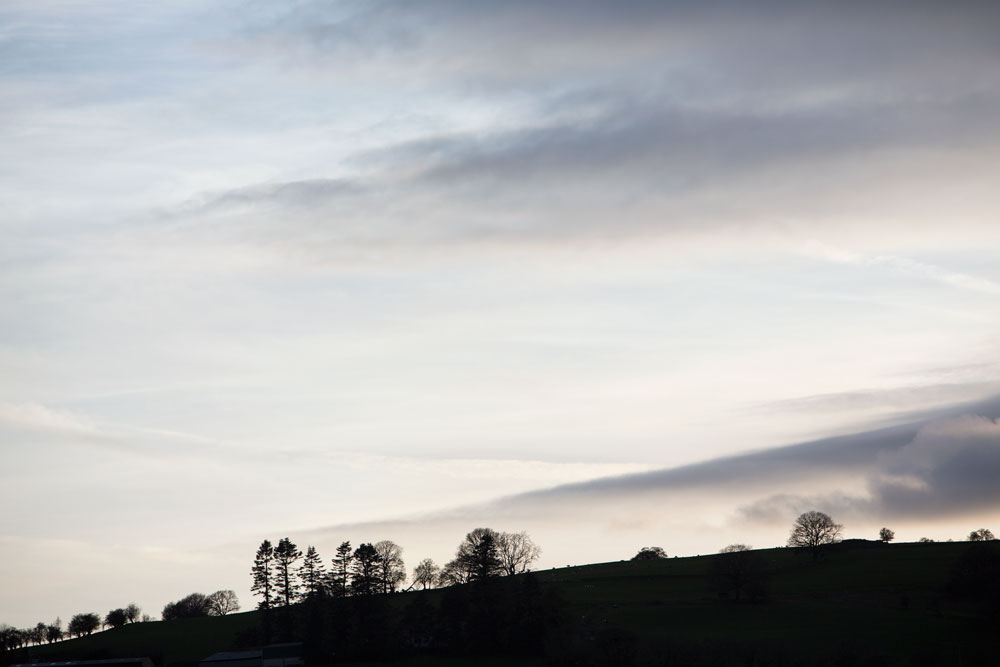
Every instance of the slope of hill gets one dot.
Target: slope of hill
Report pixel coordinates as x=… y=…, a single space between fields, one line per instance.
x=860 y=603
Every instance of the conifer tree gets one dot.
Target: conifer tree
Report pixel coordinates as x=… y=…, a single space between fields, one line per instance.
x=263 y=575
x=341 y=572
x=364 y=573
x=312 y=574
x=286 y=586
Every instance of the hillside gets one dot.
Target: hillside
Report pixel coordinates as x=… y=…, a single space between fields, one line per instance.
x=860 y=603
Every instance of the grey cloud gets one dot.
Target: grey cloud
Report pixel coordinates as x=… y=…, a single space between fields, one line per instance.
x=632 y=169
x=948 y=468
x=642 y=118
x=941 y=465
x=860 y=452
x=527 y=43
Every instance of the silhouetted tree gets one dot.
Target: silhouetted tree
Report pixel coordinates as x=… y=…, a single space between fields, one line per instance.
x=83 y=624
x=426 y=574
x=925 y=540
x=813 y=530
x=10 y=638
x=263 y=575
x=886 y=535
x=390 y=570
x=486 y=557
x=223 y=602
x=54 y=632
x=38 y=633
x=453 y=573
x=132 y=613
x=285 y=555
x=312 y=574
x=364 y=570
x=116 y=618
x=194 y=605
x=650 y=553
x=517 y=552
x=981 y=535
x=477 y=558
x=340 y=575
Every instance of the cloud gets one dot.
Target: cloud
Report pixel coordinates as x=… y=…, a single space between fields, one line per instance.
x=35 y=418
x=904 y=399
x=935 y=467
x=523 y=43
x=948 y=468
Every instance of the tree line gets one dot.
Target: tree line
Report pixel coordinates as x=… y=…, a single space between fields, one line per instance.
x=283 y=575
x=79 y=626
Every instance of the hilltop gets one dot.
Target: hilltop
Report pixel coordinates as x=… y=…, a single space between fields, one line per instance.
x=859 y=603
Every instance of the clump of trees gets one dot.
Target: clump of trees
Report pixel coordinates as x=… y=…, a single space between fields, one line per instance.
x=197 y=605
x=116 y=618
x=80 y=625
x=650 y=553
x=83 y=624
x=981 y=535
x=378 y=567
x=13 y=638
x=366 y=570
x=486 y=553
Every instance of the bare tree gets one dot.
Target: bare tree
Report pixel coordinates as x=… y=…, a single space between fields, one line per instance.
x=813 y=530
x=390 y=570
x=981 y=535
x=886 y=535
x=735 y=548
x=426 y=574
x=223 y=602
x=517 y=552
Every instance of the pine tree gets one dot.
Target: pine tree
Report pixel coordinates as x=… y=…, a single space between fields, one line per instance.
x=341 y=572
x=364 y=573
x=311 y=574
x=263 y=575
x=285 y=555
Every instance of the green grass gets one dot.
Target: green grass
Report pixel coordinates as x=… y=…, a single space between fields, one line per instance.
x=885 y=602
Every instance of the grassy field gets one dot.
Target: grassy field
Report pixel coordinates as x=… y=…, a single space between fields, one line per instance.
x=864 y=603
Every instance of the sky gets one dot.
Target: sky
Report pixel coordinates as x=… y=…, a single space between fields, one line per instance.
x=617 y=274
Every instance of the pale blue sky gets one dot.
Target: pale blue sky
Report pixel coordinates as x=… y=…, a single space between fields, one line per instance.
x=356 y=270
